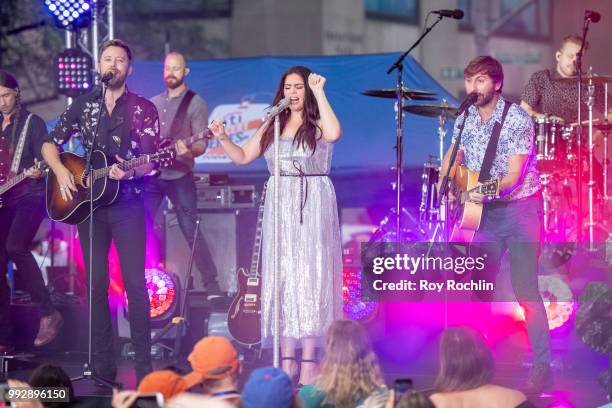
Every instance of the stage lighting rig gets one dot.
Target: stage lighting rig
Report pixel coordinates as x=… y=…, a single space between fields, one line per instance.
x=74 y=70
x=70 y=14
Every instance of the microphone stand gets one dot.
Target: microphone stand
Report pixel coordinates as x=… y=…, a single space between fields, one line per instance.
x=399 y=124
x=88 y=373
x=276 y=252
x=579 y=55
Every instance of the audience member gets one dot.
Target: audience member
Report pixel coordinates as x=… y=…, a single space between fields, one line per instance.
x=350 y=371
x=269 y=387
x=466 y=371
x=167 y=382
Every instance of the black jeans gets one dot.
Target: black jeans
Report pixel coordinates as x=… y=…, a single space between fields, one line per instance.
x=124 y=223
x=516 y=226
x=182 y=194
x=20 y=218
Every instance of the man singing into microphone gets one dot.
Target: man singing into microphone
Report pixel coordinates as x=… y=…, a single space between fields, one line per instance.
x=182 y=114
x=128 y=127
x=512 y=222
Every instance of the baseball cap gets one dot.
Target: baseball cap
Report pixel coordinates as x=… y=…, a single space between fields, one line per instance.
x=213 y=357
x=268 y=387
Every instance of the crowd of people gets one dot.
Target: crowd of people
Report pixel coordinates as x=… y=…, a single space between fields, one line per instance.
x=349 y=375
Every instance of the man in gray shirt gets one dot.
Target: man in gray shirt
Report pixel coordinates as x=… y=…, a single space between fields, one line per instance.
x=182 y=114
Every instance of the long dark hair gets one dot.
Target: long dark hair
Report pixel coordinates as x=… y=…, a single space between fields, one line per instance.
x=7 y=80
x=466 y=362
x=306 y=135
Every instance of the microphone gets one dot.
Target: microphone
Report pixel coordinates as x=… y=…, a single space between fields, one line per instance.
x=456 y=14
x=108 y=75
x=592 y=15
x=279 y=107
x=468 y=101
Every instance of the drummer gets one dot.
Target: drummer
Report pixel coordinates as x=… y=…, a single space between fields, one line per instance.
x=546 y=94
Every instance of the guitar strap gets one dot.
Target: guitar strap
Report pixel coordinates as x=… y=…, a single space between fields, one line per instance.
x=181 y=114
x=487 y=162
x=20 y=145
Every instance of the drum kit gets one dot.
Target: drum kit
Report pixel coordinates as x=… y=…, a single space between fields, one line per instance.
x=561 y=160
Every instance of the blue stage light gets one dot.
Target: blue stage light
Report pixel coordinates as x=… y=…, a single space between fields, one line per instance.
x=70 y=14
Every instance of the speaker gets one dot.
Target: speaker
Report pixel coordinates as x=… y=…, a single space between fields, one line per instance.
x=229 y=236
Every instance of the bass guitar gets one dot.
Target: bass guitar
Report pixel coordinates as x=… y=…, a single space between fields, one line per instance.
x=15 y=180
x=244 y=314
x=467 y=213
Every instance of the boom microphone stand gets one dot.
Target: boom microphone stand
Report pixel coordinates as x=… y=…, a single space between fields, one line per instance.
x=88 y=373
x=399 y=147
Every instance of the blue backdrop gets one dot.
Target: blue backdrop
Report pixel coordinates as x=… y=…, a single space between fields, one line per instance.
x=237 y=90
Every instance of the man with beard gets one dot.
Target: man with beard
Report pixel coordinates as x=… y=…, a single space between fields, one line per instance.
x=128 y=127
x=513 y=221
x=22 y=209
x=182 y=114
x=547 y=94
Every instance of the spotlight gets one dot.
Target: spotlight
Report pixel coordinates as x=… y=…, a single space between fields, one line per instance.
x=162 y=290
x=69 y=14
x=74 y=72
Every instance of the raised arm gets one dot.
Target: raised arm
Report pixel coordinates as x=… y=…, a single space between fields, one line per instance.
x=330 y=126
x=239 y=155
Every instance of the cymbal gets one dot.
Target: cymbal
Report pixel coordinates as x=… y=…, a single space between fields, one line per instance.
x=406 y=94
x=432 y=110
x=604 y=127
x=597 y=79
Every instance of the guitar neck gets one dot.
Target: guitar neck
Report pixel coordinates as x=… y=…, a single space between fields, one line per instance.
x=126 y=165
x=258 y=234
x=12 y=182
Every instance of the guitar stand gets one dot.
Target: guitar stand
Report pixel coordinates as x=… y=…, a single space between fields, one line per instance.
x=180 y=321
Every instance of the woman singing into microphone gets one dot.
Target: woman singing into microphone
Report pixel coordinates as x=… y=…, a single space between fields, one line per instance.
x=310 y=281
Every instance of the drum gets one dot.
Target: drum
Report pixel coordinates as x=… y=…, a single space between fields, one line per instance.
x=551 y=144
x=428 y=209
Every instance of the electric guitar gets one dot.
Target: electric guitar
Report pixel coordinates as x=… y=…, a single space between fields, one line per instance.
x=466 y=213
x=15 y=180
x=105 y=190
x=172 y=165
x=244 y=314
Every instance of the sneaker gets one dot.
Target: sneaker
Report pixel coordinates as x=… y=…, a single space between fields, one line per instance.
x=540 y=379
x=49 y=328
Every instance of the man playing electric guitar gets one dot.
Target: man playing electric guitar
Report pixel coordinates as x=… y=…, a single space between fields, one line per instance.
x=182 y=113
x=512 y=221
x=23 y=209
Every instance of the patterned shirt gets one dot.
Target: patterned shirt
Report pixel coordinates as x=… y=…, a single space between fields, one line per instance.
x=134 y=122
x=545 y=94
x=516 y=137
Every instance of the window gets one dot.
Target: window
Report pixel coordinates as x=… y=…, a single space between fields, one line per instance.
x=534 y=22
x=176 y=9
x=403 y=11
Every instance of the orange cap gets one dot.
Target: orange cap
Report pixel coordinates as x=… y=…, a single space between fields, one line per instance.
x=213 y=357
x=167 y=382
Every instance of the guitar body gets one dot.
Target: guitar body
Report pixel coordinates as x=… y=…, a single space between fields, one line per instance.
x=75 y=211
x=244 y=315
x=468 y=214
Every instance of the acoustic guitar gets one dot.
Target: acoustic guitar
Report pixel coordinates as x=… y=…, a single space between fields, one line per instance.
x=467 y=214
x=244 y=314
x=105 y=190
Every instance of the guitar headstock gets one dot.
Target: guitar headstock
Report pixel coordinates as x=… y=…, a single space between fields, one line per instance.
x=164 y=157
x=490 y=188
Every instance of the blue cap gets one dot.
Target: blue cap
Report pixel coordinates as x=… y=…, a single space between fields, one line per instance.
x=268 y=387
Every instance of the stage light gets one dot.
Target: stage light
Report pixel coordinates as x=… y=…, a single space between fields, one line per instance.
x=74 y=72
x=558 y=301
x=69 y=14
x=163 y=293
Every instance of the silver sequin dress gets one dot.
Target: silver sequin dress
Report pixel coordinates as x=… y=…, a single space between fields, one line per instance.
x=310 y=251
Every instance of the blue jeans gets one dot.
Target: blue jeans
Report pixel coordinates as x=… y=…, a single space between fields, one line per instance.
x=182 y=194
x=516 y=227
